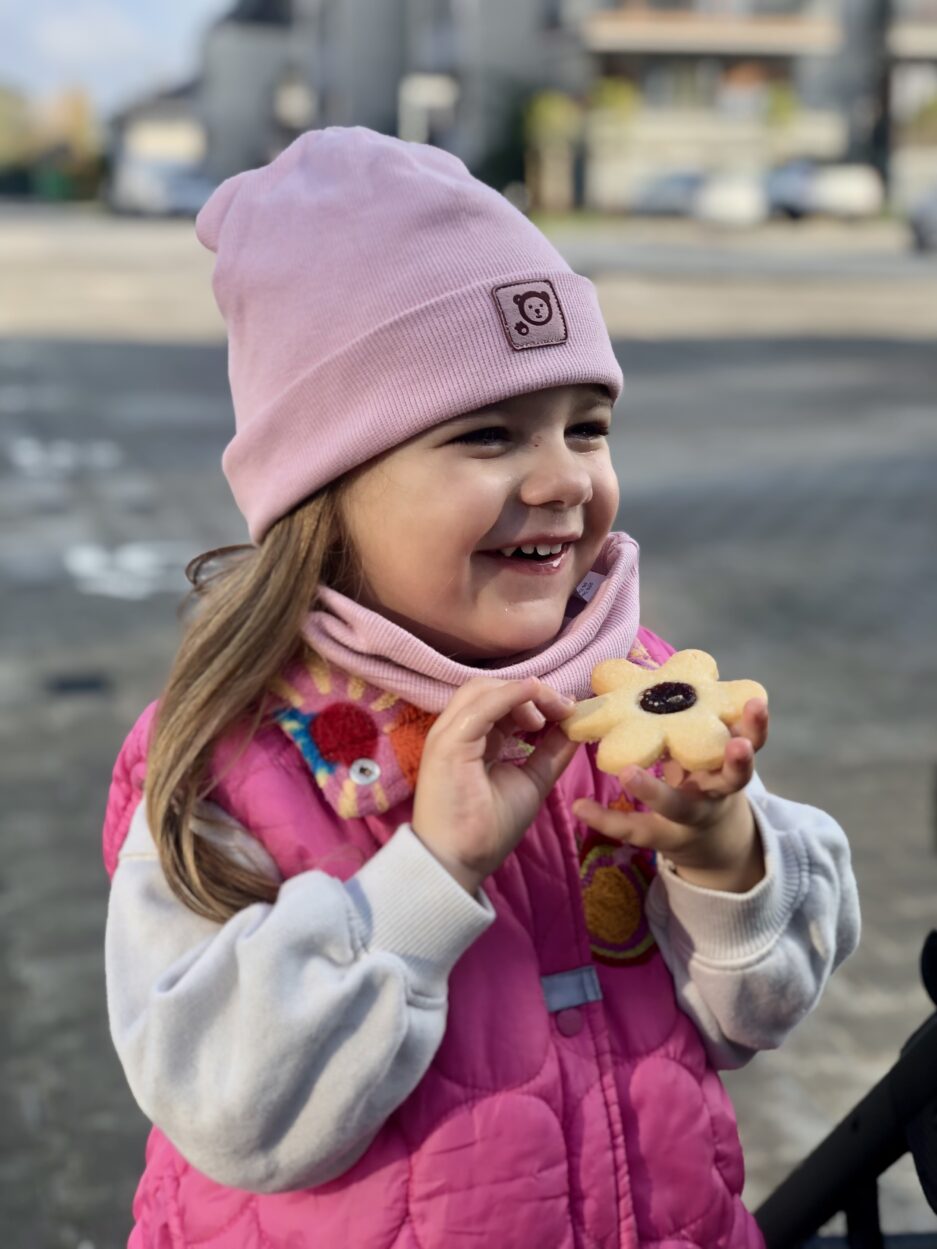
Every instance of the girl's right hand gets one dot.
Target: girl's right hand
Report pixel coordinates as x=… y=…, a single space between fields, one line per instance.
x=470 y=810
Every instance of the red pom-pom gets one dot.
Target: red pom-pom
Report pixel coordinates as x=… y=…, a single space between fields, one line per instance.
x=343 y=733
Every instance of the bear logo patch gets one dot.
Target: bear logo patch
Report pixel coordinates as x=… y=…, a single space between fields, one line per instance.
x=535 y=308
x=531 y=314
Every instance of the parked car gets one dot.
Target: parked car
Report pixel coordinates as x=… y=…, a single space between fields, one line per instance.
x=731 y=199
x=801 y=188
x=923 y=222
x=787 y=188
x=159 y=189
x=668 y=194
x=847 y=191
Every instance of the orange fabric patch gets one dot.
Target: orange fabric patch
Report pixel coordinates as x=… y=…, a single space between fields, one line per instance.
x=408 y=737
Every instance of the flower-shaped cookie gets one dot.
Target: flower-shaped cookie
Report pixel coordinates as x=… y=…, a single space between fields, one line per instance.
x=681 y=707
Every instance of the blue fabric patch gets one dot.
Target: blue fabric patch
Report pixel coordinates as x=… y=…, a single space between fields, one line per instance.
x=296 y=725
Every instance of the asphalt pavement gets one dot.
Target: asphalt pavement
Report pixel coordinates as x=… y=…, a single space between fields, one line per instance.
x=781 y=483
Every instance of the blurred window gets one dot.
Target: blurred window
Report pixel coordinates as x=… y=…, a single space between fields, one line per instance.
x=294 y=102
x=426 y=105
x=179 y=140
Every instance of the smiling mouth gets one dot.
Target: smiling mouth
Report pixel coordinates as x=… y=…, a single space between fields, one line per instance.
x=546 y=556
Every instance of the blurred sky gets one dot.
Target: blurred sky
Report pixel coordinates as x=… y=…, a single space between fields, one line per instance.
x=117 y=49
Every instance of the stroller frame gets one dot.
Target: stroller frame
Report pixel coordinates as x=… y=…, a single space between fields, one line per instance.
x=841 y=1174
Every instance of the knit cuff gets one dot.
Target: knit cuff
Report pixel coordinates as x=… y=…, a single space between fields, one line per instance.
x=737 y=928
x=413 y=908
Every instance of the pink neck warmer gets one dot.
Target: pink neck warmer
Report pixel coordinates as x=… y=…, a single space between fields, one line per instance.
x=362 y=643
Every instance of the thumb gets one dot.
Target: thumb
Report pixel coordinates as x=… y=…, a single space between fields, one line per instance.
x=549 y=761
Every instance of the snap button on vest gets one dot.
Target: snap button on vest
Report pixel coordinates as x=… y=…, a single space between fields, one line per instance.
x=569 y=1021
x=365 y=771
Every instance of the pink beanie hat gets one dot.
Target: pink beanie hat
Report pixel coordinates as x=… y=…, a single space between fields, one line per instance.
x=371 y=289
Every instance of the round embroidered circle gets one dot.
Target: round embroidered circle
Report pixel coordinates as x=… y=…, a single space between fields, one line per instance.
x=614 y=887
x=364 y=771
x=613 y=907
x=344 y=733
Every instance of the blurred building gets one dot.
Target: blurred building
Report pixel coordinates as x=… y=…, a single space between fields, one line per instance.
x=912 y=51
x=455 y=72
x=246 y=56
x=164 y=126
x=496 y=55
x=712 y=85
x=155 y=144
x=728 y=87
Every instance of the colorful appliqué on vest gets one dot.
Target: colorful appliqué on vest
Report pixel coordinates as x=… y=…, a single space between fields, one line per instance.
x=361 y=744
x=615 y=880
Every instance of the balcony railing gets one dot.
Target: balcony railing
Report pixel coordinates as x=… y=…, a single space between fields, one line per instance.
x=694 y=31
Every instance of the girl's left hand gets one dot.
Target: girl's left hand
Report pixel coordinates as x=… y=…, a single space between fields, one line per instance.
x=700 y=821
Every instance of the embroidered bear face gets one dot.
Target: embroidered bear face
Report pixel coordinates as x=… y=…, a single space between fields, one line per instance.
x=534 y=307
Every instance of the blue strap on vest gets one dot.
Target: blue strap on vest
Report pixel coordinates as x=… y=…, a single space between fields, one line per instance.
x=571 y=988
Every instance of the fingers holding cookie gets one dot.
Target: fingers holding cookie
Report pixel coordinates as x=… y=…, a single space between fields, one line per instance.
x=754 y=723
x=680 y=804
x=748 y=736
x=738 y=767
x=734 y=773
x=652 y=828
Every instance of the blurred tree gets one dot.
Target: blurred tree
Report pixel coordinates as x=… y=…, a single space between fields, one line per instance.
x=552 y=134
x=921 y=127
x=67 y=152
x=16 y=128
x=783 y=104
x=552 y=117
x=616 y=97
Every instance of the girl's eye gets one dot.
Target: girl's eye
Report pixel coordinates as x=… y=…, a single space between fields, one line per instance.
x=488 y=436
x=495 y=435
x=590 y=430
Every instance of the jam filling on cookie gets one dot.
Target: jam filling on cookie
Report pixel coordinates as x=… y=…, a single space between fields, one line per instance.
x=669 y=696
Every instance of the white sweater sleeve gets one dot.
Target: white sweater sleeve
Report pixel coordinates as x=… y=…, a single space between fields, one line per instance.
x=271 y=1049
x=748 y=967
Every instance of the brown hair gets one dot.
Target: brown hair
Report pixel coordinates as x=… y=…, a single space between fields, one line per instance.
x=243 y=626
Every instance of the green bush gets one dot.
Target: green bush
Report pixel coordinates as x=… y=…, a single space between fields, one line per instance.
x=550 y=117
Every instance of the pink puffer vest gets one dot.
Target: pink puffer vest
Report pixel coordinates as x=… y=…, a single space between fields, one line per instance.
x=571 y=1104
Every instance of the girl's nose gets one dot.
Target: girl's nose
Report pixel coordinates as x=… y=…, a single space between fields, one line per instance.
x=555 y=476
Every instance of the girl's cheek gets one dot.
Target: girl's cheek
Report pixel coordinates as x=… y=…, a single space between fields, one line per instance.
x=608 y=494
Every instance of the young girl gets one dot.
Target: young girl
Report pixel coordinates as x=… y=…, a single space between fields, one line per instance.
x=389 y=962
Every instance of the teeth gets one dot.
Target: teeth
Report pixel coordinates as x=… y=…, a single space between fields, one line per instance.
x=540 y=549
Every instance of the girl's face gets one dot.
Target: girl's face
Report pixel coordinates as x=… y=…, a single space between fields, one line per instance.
x=438 y=523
